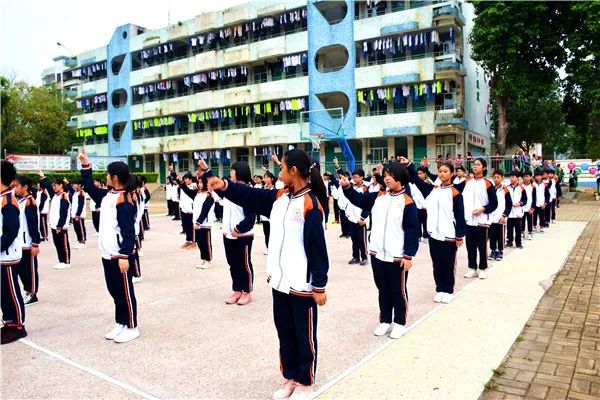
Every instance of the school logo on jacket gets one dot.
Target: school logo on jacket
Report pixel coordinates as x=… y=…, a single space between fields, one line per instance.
x=297 y=216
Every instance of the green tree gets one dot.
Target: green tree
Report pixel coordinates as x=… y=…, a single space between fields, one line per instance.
x=34 y=119
x=539 y=118
x=582 y=87
x=519 y=46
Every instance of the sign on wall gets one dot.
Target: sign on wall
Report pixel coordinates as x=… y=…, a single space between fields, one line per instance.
x=100 y=163
x=475 y=139
x=36 y=162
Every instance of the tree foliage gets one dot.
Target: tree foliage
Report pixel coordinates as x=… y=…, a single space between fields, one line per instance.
x=523 y=45
x=34 y=119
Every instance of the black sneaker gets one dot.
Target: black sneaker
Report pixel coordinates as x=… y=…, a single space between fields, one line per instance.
x=519 y=247
x=508 y=244
x=364 y=262
x=31 y=299
x=11 y=334
x=492 y=255
x=354 y=261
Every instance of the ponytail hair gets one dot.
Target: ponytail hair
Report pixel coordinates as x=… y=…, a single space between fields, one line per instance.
x=121 y=171
x=309 y=170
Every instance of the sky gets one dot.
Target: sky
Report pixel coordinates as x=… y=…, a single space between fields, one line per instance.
x=29 y=29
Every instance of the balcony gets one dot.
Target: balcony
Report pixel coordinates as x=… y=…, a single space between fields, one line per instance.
x=70 y=92
x=448 y=15
x=70 y=62
x=399 y=124
x=71 y=124
x=448 y=120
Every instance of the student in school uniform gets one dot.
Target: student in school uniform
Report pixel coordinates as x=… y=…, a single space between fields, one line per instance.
x=175 y=191
x=116 y=242
x=146 y=218
x=238 y=235
x=394 y=241
x=60 y=211
x=298 y=280
x=78 y=214
x=186 y=203
x=446 y=226
x=204 y=216
x=552 y=190
x=138 y=197
x=13 y=309
x=269 y=184
x=419 y=200
x=95 y=210
x=527 y=220
x=43 y=201
x=461 y=175
x=518 y=200
x=555 y=194
x=358 y=229
x=30 y=237
x=480 y=200
x=541 y=194
x=346 y=209
x=169 y=195
x=498 y=217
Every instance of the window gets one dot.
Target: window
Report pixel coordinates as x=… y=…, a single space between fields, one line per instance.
x=378 y=150
x=241 y=154
x=149 y=163
x=183 y=163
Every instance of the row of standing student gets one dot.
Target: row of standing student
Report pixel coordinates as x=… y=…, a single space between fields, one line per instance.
x=59 y=210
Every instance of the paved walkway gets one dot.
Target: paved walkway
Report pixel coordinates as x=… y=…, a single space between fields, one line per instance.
x=557 y=355
x=450 y=353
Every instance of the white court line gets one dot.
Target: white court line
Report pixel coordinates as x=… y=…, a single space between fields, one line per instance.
x=91 y=371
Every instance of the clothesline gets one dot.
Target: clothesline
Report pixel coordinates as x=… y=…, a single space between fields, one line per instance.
x=89 y=70
x=401 y=43
x=98 y=130
x=86 y=104
x=399 y=94
x=241 y=30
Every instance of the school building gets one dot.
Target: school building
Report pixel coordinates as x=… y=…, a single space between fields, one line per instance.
x=235 y=84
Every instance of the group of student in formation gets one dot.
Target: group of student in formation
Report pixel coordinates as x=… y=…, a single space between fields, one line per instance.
x=401 y=206
x=31 y=213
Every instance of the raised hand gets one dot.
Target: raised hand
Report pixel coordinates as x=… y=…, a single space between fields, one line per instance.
x=344 y=181
x=83 y=157
x=215 y=183
x=202 y=164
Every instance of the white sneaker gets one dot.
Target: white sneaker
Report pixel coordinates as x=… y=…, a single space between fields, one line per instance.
x=471 y=273
x=127 y=334
x=115 y=331
x=382 y=329
x=206 y=265
x=136 y=279
x=201 y=265
x=447 y=298
x=397 y=331
x=266 y=252
x=438 y=297
x=140 y=253
x=96 y=234
x=553 y=221
x=530 y=237
x=26 y=298
x=62 y=266
x=483 y=274
x=80 y=246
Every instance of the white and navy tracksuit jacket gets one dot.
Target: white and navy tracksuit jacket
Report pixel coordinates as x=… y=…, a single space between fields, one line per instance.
x=446 y=225
x=518 y=194
x=395 y=234
x=13 y=308
x=116 y=241
x=297 y=266
x=30 y=236
x=478 y=193
x=394 y=237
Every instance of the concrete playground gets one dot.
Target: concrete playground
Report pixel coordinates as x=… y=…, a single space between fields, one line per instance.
x=193 y=345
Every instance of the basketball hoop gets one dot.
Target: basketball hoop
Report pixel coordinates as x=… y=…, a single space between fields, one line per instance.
x=315 y=139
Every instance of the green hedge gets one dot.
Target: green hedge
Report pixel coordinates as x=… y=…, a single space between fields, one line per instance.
x=152 y=177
